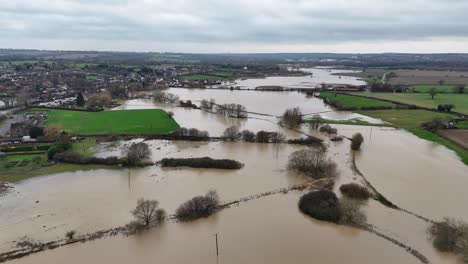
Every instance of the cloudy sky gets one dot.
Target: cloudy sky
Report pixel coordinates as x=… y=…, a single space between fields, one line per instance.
x=236 y=25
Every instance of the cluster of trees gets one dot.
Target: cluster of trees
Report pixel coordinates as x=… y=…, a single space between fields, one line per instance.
x=147 y=214
x=445 y=107
x=190 y=132
x=233 y=133
x=207 y=104
x=451 y=236
x=60 y=146
x=325 y=206
x=292 y=118
x=198 y=207
x=312 y=163
x=204 y=162
x=165 y=98
x=99 y=100
x=232 y=110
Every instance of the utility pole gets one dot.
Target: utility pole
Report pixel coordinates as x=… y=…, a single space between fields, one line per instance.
x=217 y=251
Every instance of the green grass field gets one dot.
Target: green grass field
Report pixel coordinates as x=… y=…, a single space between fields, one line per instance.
x=462 y=125
x=349 y=101
x=91 y=77
x=422 y=99
x=147 y=121
x=438 y=88
x=407 y=119
x=29 y=160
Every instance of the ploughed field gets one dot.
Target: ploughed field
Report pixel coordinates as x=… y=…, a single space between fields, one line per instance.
x=147 y=121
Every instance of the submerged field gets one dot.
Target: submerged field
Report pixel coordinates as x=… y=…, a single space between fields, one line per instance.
x=412 y=120
x=147 y=121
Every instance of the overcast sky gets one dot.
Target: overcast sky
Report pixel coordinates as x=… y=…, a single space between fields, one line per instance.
x=236 y=25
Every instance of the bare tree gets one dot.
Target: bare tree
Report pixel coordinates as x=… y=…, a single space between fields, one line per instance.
x=292 y=118
x=433 y=92
x=138 y=152
x=232 y=133
x=313 y=163
x=147 y=212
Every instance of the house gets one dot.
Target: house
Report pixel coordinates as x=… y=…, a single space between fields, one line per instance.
x=28 y=139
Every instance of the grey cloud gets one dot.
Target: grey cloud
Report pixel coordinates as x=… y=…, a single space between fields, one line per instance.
x=231 y=22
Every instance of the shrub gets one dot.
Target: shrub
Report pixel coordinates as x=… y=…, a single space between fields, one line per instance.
x=328 y=129
x=277 y=137
x=205 y=162
x=263 y=136
x=321 y=205
x=99 y=100
x=198 y=207
x=356 y=141
x=70 y=234
x=165 y=98
x=434 y=125
x=147 y=213
x=35 y=132
x=77 y=158
x=58 y=147
x=313 y=163
x=248 y=135
x=292 y=118
x=355 y=191
x=450 y=235
x=232 y=133
x=337 y=138
x=351 y=213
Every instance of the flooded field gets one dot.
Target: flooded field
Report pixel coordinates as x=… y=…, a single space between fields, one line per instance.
x=316 y=78
x=417 y=175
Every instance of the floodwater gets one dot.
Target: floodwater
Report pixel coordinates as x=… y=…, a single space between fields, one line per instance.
x=417 y=175
x=273 y=103
x=315 y=79
x=268 y=230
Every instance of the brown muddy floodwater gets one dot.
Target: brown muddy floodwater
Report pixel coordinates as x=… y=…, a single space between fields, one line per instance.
x=260 y=102
x=317 y=77
x=268 y=230
x=417 y=175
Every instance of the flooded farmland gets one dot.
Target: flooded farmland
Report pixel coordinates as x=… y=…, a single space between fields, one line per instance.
x=316 y=77
x=417 y=175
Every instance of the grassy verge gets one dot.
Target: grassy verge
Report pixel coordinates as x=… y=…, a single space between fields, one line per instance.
x=59 y=168
x=343 y=101
x=411 y=120
x=147 y=121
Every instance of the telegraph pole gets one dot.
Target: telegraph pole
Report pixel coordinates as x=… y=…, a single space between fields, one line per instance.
x=217 y=250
